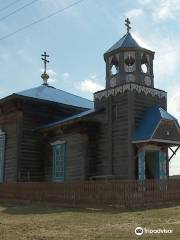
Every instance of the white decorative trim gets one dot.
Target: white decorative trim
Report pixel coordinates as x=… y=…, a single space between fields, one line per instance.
x=131 y=87
x=156 y=140
x=110 y=92
x=58 y=142
x=156 y=128
x=165 y=141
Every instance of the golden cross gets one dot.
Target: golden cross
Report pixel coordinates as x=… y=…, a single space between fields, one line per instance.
x=44 y=58
x=127 y=24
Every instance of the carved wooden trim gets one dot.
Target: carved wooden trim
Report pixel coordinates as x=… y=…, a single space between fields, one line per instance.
x=131 y=87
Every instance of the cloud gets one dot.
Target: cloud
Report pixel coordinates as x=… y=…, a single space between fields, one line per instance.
x=4 y=92
x=133 y=13
x=65 y=76
x=90 y=85
x=141 y=41
x=174 y=109
x=54 y=5
x=162 y=9
x=167 y=58
x=145 y=2
x=167 y=9
x=52 y=75
x=174 y=102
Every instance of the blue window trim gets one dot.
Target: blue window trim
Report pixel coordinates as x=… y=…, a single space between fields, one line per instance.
x=162 y=165
x=141 y=165
x=63 y=152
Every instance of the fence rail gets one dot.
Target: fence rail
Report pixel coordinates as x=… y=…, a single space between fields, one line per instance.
x=112 y=193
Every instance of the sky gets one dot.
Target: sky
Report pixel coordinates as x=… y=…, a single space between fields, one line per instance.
x=76 y=40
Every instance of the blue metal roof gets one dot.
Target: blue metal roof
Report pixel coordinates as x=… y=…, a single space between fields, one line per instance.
x=74 y=117
x=127 y=41
x=56 y=95
x=150 y=121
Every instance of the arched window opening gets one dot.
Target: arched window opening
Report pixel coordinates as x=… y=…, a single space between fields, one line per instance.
x=114 y=70
x=144 y=68
x=114 y=66
x=145 y=63
x=129 y=60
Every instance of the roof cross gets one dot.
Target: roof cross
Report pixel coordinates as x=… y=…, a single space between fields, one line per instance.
x=127 y=24
x=44 y=58
x=45 y=76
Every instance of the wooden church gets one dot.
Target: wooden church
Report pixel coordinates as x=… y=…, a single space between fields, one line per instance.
x=47 y=134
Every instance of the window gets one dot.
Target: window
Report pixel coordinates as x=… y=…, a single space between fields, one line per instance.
x=129 y=61
x=58 y=150
x=145 y=63
x=2 y=153
x=114 y=65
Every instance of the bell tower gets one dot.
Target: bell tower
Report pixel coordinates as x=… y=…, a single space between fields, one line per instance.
x=129 y=93
x=128 y=62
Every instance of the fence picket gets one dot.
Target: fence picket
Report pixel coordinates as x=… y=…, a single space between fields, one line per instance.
x=114 y=193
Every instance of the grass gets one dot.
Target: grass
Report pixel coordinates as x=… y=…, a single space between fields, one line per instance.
x=35 y=221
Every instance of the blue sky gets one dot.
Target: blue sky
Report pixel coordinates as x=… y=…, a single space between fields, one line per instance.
x=77 y=38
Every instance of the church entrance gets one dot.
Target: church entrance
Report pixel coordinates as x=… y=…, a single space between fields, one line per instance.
x=152 y=165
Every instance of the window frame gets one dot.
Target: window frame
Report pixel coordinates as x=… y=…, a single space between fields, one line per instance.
x=62 y=145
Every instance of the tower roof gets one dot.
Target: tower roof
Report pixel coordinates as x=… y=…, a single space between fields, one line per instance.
x=127 y=41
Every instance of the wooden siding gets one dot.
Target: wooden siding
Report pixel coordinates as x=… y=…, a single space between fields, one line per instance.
x=112 y=139
x=31 y=164
x=11 y=125
x=116 y=155
x=19 y=117
x=120 y=137
x=34 y=115
x=103 y=161
x=92 y=150
x=75 y=156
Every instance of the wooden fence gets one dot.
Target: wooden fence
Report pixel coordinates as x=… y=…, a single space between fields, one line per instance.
x=126 y=194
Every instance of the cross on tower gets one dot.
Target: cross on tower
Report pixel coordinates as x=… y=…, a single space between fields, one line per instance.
x=44 y=58
x=127 y=24
x=45 y=76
